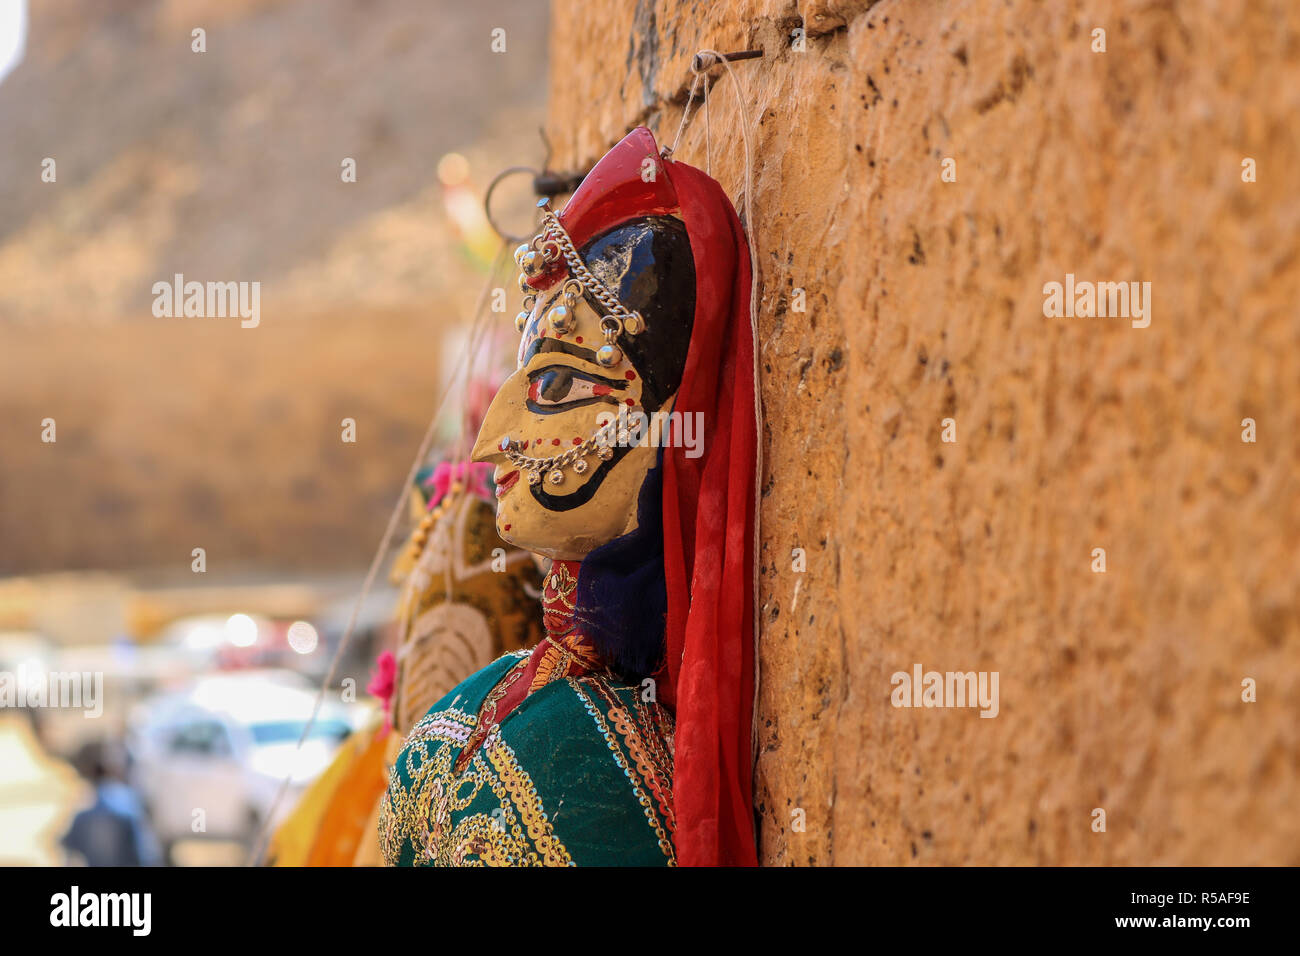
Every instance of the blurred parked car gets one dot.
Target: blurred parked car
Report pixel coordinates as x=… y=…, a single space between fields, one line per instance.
x=210 y=759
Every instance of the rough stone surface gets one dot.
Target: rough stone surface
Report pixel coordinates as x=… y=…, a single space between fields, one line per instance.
x=924 y=301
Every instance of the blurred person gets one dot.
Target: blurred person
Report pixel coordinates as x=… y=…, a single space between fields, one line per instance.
x=112 y=831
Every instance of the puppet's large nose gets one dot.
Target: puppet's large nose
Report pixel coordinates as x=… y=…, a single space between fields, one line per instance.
x=507 y=411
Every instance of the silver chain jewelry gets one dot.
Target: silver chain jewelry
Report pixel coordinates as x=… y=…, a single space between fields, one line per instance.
x=535 y=257
x=555 y=232
x=599 y=444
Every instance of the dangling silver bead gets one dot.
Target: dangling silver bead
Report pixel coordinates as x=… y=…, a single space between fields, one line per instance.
x=521 y=321
x=561 y=319
x=524 y=287
x=532 y=264
x=534 y=477
x=522 y=250
x=605 y=453
x=609 y=355
x=555 y=477
x=580 y=465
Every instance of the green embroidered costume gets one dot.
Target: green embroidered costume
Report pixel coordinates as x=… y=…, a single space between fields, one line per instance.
x=579 y=773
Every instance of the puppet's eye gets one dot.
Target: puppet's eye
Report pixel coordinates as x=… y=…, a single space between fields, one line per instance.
x=563 y=386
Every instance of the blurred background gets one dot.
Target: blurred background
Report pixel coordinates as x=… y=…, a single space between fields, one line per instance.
x=176 y=434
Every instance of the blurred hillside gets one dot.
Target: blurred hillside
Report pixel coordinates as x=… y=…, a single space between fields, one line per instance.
x=175 y=433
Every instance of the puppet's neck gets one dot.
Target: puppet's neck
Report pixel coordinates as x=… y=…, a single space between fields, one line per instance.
x=558 y=598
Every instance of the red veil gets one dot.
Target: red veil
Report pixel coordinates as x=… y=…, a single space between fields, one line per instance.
x=709 y=544
x=708 y=502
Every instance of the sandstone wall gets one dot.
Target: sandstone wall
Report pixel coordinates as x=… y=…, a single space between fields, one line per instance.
x=924 y=301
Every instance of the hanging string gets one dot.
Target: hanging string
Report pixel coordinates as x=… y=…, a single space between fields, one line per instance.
x=464 y=440
x=685 y=113
x=708 y=126
x=453 y=505
x=263 y=834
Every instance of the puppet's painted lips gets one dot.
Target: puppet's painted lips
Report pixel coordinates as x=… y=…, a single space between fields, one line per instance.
x=507 y=482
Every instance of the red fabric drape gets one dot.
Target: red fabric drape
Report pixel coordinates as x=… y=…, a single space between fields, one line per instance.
x=708 y=510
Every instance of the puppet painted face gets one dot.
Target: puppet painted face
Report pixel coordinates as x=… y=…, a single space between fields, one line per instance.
x=610 y=335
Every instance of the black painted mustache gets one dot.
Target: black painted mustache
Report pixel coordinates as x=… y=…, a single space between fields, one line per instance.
x=578 y=498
